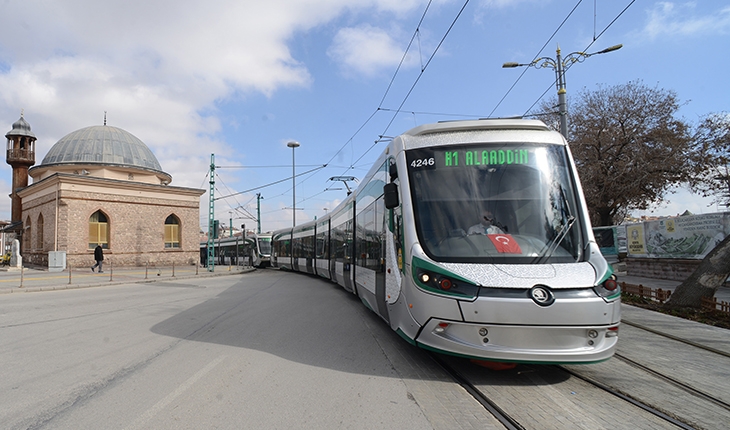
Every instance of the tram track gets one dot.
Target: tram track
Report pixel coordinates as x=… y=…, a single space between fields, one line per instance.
x=510 y=422
x=642 y=405
x=677 y=383
x=676 y=338
x=503 y=417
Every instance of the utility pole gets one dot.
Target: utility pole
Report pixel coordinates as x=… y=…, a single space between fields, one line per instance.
x=211 y=216
x=258 y=211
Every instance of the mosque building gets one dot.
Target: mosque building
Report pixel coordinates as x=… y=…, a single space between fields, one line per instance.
x=99 y=185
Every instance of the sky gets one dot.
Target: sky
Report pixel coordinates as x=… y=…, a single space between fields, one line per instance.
x=238 y=79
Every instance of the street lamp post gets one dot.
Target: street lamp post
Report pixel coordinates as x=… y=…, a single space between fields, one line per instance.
x=559 y=65
x=293 y=144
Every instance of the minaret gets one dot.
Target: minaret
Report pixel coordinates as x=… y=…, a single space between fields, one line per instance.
x=20 y=155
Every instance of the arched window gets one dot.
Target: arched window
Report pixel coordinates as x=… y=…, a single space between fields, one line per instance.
x=172 y=232
x=39 y=233
x=98 y=230
x=27 y=230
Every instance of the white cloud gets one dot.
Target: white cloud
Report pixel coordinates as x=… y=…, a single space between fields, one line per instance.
x=673 y=19
x=158 y=67
x=366 y=51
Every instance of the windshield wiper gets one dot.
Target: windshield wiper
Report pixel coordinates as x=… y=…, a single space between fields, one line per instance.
x=547 y=250
x=553 y=245
x=566 y=226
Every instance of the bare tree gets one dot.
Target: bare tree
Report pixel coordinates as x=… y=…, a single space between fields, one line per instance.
x=629 y=148
x=705 y=280
x=712 y=177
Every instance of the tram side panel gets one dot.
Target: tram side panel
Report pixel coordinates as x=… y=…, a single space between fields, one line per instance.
x=303 y=242
x=281 y=254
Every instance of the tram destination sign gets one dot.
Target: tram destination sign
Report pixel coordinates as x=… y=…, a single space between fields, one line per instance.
x=468 y=156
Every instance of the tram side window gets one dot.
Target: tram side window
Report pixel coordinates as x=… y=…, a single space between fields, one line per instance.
x=283 y=248
x=370 y=230
x=341 y=234
x=322 y=241
x=338 y=241
x=296 y=246
x=308 y=245
x=361 y=252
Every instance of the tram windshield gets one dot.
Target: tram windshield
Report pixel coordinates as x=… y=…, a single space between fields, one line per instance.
x=265 y=245
x=501 y=203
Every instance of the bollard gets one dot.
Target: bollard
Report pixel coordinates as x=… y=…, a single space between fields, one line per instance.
x=146 y=268
x=21 y=275
x=69 y=274
x=196 y=268
x=173 y=269
x=111 y=270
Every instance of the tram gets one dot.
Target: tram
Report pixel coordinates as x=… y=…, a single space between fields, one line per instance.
x=254 y=250
x=471 y=238
x=259 y=249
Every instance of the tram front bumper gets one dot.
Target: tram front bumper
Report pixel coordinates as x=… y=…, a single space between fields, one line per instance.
x=521 y=343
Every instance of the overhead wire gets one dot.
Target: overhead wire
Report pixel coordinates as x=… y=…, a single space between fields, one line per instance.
x=387 y=91
x=568 y=66
x=408 y=94
x=418 y=78
x=536 y=56
x=367 y=121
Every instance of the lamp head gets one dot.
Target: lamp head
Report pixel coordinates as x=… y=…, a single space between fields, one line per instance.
x=612 y=48
x=292 y=144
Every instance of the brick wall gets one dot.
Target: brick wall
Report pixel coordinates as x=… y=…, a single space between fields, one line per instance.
x=136 y=228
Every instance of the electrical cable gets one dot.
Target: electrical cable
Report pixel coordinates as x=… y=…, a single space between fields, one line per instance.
x=536 y=56
x=568 y=66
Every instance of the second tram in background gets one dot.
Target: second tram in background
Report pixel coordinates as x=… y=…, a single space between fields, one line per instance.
x=254 y=250
x=471 y=238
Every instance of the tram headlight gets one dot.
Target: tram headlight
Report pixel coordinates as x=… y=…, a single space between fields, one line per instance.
x=609 y=289
x=436 y=279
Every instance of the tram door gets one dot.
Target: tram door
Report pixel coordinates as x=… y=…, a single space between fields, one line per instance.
x=379 y=258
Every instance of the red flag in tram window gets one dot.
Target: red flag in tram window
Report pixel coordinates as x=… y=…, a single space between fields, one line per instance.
x=505 y=243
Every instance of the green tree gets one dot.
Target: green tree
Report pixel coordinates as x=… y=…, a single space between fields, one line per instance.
x=629 y=148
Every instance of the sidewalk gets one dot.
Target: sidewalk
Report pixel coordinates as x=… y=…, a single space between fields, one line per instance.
x=40 y=279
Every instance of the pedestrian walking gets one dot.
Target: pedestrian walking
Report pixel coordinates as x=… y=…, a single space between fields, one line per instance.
x=99 y=257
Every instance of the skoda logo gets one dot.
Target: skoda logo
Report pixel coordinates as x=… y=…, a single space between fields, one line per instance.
x=542 y=295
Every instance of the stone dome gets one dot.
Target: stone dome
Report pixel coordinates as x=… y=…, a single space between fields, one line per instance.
x=102 y=145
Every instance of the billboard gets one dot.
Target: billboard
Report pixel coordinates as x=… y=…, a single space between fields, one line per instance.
x=691 y=237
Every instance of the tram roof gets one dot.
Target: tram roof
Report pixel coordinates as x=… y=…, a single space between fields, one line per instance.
x=480 y=124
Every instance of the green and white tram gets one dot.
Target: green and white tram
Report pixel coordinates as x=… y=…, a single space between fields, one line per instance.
x=471 y=238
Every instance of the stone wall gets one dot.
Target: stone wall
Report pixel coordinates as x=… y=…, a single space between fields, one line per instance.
x=657 y=268
x=135 y=223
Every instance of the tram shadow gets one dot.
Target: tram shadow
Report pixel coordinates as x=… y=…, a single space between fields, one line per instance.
x=305 y=319
x=313 y=321
x=525 y=375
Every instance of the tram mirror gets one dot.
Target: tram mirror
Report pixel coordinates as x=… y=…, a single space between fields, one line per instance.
x=393 y=170
x=390 y=192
